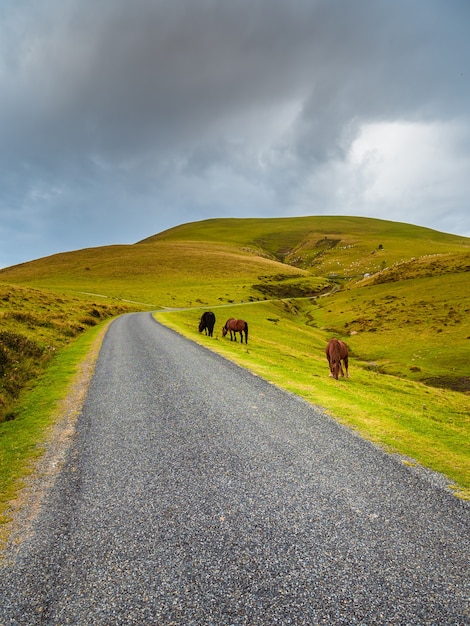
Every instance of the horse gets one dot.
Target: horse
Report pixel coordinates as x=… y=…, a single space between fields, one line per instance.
x=337 y=351
x=236 y=326
x=207 y=323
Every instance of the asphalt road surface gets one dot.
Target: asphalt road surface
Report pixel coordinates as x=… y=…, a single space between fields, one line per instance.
x=195 y=493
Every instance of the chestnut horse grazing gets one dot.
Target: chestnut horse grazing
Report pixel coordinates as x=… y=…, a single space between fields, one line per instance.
x=207 y=323
x=337 y=351
x=236 y=326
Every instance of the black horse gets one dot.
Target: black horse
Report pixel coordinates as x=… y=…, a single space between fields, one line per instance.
x=207 y=323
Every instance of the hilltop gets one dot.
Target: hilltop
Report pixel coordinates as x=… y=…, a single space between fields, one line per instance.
x=321 y=244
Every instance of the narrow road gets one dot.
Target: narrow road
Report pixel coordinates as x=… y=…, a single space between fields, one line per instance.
x=195 y=493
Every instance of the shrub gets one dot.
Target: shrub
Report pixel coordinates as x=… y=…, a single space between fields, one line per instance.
x=3 y=360
x=89 y=321
x=19 y=344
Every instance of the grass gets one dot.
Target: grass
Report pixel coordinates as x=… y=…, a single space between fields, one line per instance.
x=226 y=260
x=326 y=245
x=408 y=328
x=164 y=275
x=35 y=325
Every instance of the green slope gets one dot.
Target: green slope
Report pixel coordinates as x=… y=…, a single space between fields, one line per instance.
x=220 y=260
x=322 y=244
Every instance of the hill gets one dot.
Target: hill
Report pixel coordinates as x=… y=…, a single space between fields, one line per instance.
x=222 y=260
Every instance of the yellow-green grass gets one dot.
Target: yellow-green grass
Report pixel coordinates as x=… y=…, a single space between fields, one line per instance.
x=23 y=440
x=43 y=337
x=226 y=259
x=429 y=425
x=420 y=267
x=35 y=325
x=346 y=246
x=157 y=275
x=419 y=329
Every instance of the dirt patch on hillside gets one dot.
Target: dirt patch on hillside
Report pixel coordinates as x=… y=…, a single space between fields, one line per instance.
x=455 y=383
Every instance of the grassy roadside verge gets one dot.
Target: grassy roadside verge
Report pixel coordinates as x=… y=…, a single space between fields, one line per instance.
x=428 y=426
x=55 y=398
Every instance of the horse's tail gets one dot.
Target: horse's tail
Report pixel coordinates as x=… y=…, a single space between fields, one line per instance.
x=246 y=332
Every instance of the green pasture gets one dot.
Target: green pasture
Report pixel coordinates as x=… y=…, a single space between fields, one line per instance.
x=223 y=260
x=35 y=325
x=166 y=274
x=415 y=329
x=327 y=245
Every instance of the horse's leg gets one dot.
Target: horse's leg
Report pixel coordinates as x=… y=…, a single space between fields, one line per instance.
x=340 y=369
x=336 y=369
x=331 y=366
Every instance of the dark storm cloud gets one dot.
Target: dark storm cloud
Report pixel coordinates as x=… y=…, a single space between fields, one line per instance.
x=131 y=74
x=144 y=114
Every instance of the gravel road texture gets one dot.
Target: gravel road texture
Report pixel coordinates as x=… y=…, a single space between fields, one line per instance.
x=195 y=493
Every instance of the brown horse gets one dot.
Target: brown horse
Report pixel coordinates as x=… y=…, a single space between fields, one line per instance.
x=235 y=326
x=337 y=351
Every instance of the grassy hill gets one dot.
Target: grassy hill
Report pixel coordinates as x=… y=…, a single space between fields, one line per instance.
x=217 y=261
x=344 y=246
x=398 y=294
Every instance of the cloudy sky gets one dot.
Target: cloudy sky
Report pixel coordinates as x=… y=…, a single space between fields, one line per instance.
x=121 y=118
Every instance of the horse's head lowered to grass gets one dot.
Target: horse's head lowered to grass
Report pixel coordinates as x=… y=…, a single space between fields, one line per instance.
x=337 y=351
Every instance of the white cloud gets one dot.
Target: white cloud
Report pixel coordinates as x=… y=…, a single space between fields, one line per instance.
x=411 y=167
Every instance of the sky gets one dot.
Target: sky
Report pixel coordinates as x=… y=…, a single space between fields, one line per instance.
x=122 y=118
